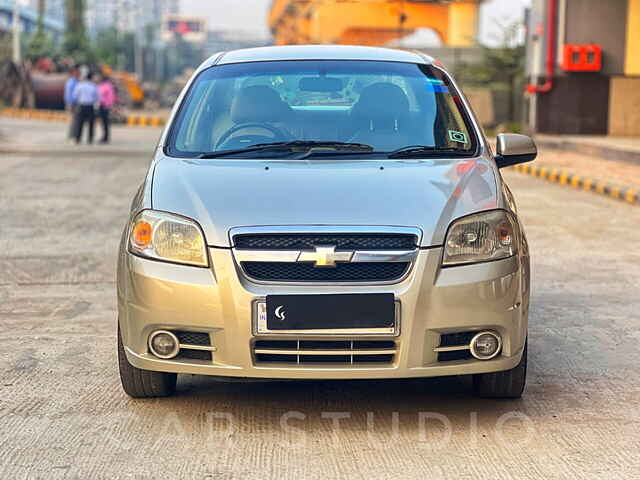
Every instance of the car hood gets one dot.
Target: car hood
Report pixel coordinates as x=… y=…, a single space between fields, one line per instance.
x=222 y=194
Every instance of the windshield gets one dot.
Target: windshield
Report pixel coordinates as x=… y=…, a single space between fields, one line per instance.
x=385 y=105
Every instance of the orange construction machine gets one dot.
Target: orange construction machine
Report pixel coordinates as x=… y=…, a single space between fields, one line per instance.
x=372 y=22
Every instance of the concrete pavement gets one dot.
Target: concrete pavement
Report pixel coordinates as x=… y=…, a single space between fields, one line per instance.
x=63 y=414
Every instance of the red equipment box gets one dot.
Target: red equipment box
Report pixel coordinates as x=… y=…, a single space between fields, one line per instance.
x=582 y=58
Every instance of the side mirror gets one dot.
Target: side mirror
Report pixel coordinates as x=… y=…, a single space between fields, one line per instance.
x=513 y=148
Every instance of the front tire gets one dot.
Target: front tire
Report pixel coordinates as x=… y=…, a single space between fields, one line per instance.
x=506 y=384
x=139 y=383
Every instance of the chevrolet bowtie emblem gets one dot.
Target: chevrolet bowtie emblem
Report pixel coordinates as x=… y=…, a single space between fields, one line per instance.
x=325 y=256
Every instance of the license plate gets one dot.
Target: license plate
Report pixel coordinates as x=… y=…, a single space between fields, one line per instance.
x=328 y=314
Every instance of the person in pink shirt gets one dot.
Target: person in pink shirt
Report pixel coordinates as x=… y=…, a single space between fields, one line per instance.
x=107 y=95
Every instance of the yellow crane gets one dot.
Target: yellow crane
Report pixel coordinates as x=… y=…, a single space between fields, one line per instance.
x=372 y=22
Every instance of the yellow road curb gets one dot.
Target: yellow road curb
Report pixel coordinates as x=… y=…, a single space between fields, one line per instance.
x=143 y=120
x=553 y=175
x=56 y=115
x=133 y=120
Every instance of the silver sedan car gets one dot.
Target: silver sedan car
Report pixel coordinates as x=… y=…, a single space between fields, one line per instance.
x=324 y=212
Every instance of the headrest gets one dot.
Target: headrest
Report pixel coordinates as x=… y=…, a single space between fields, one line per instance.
x=259 y=104
x=381 y=101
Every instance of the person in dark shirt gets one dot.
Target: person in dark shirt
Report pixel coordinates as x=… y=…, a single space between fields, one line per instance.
x=86 y=98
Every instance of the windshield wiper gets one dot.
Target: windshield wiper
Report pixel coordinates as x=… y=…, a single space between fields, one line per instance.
x=425 y=150
x=319 y=144
x=309 y=147
x=291 y=147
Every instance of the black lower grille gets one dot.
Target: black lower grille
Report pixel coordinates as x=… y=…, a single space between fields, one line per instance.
x=272 y=358
x=342 y=272
x=324 y=344
x=342 y=359
x=458 y=339
x=304 y=241
x=186 y=354
x=454 y=355
x=193 y=338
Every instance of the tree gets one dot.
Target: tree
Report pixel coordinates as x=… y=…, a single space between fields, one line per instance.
x=501 y=67
x=76 y=43
x=182 y=55
x=40 y=45
x=5 y=46
x=108 y=47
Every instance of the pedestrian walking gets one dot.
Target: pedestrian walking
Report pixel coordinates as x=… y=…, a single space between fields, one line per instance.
x=86 y=98
x=69 y=103
x=107 y=95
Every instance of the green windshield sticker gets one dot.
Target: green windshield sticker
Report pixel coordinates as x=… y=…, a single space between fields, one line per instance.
x=459 y=137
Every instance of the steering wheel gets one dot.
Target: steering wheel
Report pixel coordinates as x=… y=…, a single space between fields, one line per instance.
x=278 y=134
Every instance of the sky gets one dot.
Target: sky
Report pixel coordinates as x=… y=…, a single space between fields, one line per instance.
x=250 y=16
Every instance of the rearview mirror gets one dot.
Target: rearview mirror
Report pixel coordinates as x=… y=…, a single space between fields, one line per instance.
x=320 y=84
x=513 y=148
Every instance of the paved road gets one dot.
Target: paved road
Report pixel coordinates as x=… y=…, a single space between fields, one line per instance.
x=64 y=416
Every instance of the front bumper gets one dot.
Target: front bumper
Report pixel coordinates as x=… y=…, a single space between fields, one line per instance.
x=219 y=301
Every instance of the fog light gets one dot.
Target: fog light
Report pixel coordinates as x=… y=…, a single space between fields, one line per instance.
x=485 y=345
x=164 y=344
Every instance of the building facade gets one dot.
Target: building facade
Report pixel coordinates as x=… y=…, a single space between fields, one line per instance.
x=125 y=15
x=53 y=26
x=583 y=64
x=54 y=9
x=128 y=15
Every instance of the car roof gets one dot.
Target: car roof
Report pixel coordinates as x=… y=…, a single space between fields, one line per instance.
x=317 y=52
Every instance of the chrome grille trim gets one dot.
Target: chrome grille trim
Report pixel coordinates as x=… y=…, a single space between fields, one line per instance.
x=292 y=256
x=266 y=256
x=350 y=354
x=389 y=256
x=247 y=256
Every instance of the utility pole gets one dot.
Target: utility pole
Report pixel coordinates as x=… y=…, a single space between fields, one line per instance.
x=117 y=30
x=38 y=42
x=137 y=43
x=75 y=35
x=17 y=53
x=42 y=7
x=401 y=21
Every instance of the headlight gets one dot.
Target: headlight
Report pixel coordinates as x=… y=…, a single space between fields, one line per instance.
x=162 y=236
x=481 y=237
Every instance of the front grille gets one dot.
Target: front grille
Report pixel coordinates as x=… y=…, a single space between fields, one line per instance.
x=342 y=272
x=344 y=352
x=342 y=241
